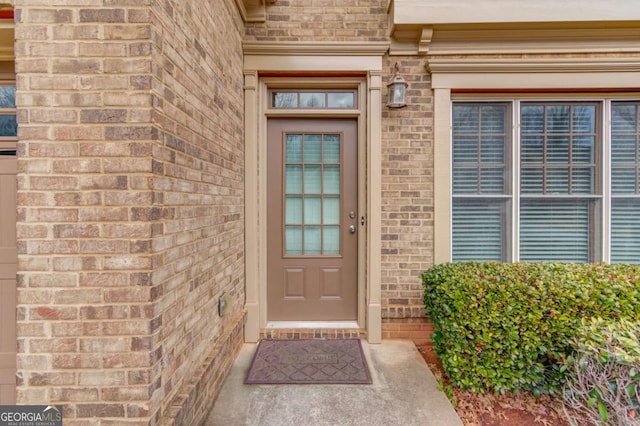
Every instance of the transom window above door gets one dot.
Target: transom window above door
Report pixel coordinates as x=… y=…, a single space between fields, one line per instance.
x=8 y=122
x=528 y=181
x=313 y=99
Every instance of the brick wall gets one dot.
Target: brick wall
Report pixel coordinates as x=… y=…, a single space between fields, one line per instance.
x=407 y=192
x=84 y=161
x=334 y=20
x=198 y=250
x=130 y=204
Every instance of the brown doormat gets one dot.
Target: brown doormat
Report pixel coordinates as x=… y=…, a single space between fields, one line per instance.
x=309 y=362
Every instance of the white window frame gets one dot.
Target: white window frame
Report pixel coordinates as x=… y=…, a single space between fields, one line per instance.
x=444 y=251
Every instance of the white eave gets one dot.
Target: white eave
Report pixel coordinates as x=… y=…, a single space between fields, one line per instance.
x=445 y=27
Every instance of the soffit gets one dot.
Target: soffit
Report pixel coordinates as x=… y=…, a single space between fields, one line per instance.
x=472 y=27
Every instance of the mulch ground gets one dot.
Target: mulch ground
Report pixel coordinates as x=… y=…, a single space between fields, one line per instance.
x=497 y=410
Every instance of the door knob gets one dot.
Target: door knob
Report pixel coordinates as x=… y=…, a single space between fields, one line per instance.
x=352 y=229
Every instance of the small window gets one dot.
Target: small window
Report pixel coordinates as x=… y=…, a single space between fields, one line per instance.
x=8 y=122
x=313 y=99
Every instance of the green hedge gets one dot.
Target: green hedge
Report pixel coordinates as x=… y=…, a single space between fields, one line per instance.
x=506 y=327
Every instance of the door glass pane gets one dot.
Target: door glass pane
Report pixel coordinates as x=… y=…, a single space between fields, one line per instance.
x=294 y=149
x=331 y=211
x=331 y=240
x=293 y=179
x=331 y=149
x=312 y=179
x=312 y=148
x=312 y=210
x=331 y=180
x=293 y=210
x=293 y=240
x=312 y=240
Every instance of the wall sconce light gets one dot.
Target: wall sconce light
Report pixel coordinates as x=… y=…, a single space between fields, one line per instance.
x=397 y=89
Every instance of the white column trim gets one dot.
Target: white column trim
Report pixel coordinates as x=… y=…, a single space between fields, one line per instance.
x=374 y=229
x=251 y=209
x=442 y=175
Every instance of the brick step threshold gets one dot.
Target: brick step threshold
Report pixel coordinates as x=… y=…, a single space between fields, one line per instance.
x=312 y=333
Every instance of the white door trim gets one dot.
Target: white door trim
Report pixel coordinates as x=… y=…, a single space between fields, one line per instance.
x=370 y=116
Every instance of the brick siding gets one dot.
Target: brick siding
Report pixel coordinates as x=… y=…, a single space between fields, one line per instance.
x=198 y=251
x=130 y=204
x=323 y=20
x=407 y=192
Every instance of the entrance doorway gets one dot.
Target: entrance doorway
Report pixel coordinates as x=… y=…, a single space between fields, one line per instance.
x=312 y=223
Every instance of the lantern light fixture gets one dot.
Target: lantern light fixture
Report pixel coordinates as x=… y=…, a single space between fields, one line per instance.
x=397 y=89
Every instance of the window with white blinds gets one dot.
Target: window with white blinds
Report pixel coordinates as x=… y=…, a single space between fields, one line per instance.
x=481 y=176
x=558 y=176
x=528 y=181
x=625 y=182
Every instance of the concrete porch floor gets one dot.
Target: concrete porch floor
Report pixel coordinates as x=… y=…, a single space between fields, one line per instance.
x=404 y=392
